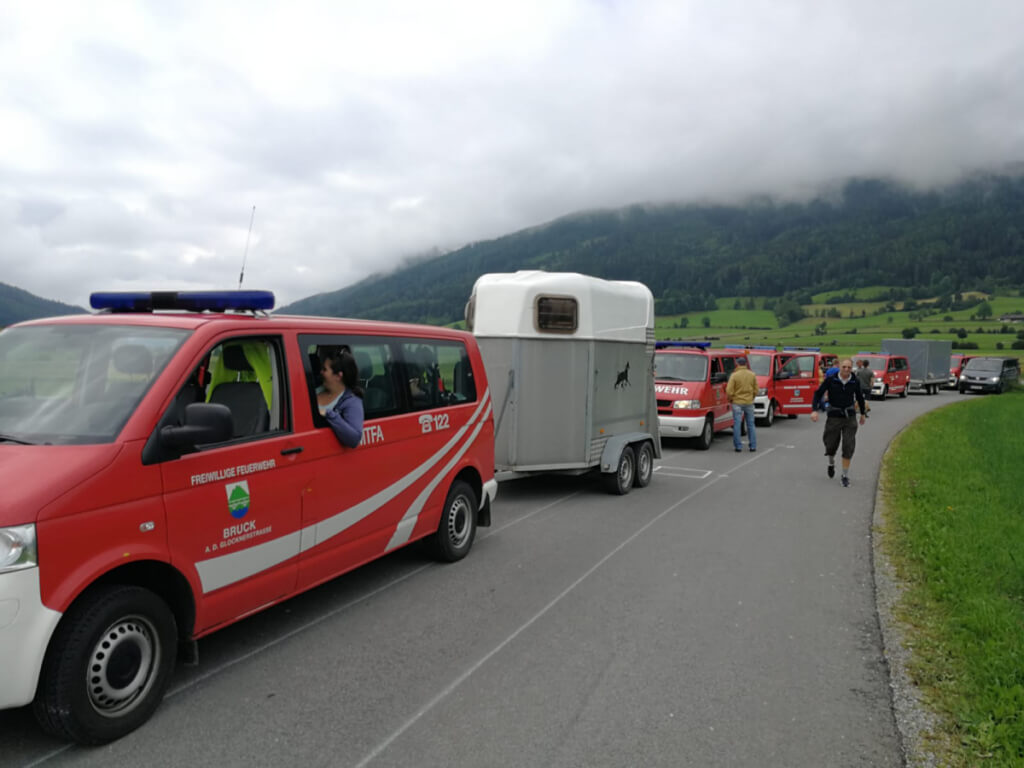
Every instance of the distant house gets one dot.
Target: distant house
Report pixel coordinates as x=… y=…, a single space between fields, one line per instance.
x=1012 y=318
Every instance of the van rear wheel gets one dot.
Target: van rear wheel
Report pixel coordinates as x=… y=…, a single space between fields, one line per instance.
x=457 y=529
x=108 y=665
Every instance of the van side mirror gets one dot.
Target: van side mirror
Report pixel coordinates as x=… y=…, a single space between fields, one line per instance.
x=718 y=378
x=204 y=423
x=783 y=375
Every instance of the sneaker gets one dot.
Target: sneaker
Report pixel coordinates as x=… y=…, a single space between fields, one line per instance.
x=753 y=449
x=831 y=470
x=846 y=482
x=737 y=449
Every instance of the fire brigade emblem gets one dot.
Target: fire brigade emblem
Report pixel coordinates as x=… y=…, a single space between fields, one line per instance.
x=238 y=499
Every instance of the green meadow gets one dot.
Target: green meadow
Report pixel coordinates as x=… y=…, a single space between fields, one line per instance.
x=954 y=530
x=859 y=326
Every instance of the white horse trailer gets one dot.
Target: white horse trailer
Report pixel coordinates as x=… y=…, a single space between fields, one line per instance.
x=570 y=363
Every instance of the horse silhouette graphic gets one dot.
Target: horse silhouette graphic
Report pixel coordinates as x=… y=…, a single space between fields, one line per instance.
x=622 y=377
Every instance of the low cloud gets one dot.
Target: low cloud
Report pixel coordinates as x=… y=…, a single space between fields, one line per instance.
x=135 y=143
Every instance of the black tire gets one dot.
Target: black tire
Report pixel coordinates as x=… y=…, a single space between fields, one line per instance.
x=903 y=392
x=769 y=415
x=885 y=392
x=108 y=665
x=707 y=434
x=457 y=529
x=963 y=391
x=644 y=465
x=620 y=481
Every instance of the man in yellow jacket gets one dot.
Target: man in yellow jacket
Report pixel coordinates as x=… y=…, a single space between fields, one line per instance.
x=741 y=391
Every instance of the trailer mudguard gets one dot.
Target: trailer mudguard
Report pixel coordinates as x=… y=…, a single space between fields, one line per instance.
x=613 y=448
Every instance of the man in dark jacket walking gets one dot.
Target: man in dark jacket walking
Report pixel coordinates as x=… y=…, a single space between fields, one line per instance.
x=844 y=399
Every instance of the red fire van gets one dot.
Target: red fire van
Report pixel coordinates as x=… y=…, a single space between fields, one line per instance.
x=689 y=385
x=891 y=373
x=169 y=472
x=786 y=381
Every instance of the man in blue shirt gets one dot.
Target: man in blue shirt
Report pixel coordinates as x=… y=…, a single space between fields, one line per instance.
x=845 y=397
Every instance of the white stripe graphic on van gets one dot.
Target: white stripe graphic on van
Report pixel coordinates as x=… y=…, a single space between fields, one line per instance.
x=220 y=571
x=405 y=526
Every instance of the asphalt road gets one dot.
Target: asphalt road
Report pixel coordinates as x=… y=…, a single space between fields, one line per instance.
x=723 y=616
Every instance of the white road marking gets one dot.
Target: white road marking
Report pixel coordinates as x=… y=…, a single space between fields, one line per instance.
x=447 y=690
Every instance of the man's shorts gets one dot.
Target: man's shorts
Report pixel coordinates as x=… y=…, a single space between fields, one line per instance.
x=839 y=427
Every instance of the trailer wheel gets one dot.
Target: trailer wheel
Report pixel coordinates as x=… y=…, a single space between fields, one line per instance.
x=706 y=435
x=108 y=665
x=621 y=480
x=457 y=529
x=644 y=465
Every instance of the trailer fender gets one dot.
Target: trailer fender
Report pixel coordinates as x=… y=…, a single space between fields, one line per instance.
x=613 y=448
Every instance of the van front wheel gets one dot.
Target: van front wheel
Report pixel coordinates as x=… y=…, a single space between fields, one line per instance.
x=457 y=529
x=707 y=434
x=108 y=665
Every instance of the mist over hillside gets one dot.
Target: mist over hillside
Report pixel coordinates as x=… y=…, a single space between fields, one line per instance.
x=17 y=305
x=867 y=232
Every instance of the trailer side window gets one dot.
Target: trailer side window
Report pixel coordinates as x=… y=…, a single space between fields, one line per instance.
x=556 y=314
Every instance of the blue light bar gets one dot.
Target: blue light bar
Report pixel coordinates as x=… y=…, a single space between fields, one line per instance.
x=187 y=301
x=768 y=347
x=667 y=344
x=801 y=349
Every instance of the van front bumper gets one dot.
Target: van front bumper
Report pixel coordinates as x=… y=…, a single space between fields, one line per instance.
x=26 y=626
x=680 y=426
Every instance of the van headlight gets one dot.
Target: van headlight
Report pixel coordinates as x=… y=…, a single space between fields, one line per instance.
x=686 y=405
x=17 y=548
x=762 y=391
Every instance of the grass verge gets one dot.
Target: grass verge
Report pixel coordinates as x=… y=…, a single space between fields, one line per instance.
x=954 y=532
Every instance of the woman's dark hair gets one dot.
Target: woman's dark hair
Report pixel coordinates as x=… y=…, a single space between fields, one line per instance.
x=345 y=364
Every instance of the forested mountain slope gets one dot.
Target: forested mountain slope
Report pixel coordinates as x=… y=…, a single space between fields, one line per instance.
x=869 y=232
x=17 y=305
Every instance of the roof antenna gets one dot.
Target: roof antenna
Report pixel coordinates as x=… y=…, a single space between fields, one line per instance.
x=241 y=274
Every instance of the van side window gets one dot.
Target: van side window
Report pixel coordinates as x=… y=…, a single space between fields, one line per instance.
x=243 y=375
x=246 y=374
x=801 y=366
x=374 y=365
x=398 y=375
x=437 y=374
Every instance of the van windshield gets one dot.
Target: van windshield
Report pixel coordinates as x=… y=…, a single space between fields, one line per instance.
x=672 y=366
x=984 y=364
x=760 y=364
x=77 y=384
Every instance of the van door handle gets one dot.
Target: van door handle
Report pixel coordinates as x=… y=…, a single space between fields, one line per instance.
x=287 y=451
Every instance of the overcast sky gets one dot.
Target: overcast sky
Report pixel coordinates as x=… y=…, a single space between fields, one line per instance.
x=136 y=138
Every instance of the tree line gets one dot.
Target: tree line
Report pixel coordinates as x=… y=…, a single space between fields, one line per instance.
x=968 y=236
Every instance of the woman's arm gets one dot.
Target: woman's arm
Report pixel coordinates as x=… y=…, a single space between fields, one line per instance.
x=346 y=419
